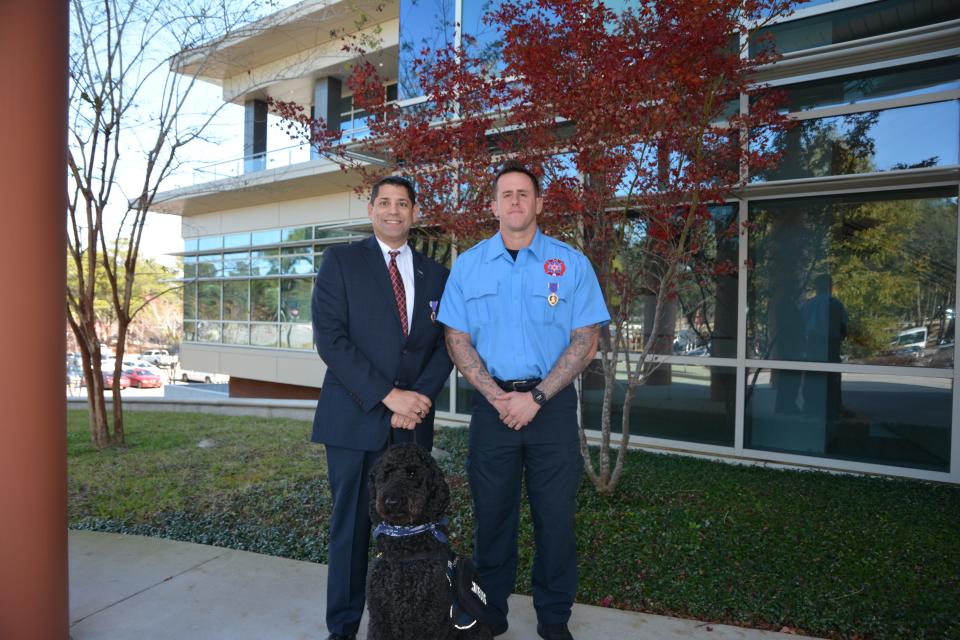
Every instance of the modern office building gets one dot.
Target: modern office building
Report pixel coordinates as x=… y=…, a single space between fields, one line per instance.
x=833 y=345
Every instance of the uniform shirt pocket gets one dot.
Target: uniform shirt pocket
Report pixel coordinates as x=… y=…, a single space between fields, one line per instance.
x=551 y=313
x=480 y=300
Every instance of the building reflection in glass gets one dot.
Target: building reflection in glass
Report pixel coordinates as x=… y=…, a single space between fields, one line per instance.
x=853 y=279
x=694 y=403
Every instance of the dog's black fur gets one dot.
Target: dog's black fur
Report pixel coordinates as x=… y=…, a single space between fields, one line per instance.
x=409 y=598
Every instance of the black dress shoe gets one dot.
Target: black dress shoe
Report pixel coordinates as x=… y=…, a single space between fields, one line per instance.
x=337 y=636
x=554 y=631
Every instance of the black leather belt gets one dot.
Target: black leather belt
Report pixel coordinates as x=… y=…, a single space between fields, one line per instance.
x=517 y=385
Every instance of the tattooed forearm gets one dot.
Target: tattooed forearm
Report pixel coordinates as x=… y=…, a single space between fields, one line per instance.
x=574 y=359
x=468 y=361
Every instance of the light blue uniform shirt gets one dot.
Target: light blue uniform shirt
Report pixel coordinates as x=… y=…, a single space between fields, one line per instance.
x=505 y=305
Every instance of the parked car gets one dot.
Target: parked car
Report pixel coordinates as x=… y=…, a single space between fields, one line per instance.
x=911 y=342
x=75 y=376
x=143 y=378
x=143 y=364
x=200 y=376
x=108 y=380
x=159 y=358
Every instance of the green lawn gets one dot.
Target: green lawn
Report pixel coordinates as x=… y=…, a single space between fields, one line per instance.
x=832 y=556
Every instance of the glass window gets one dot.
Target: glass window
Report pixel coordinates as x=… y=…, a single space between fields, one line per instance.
x=297 y=260
x=264 y=335
x=265 y=262
x=268 y=236
x=189 y=331
x=442 y=401
x=693 y=403
x=482 y=40
x=296 y=336
x=322 y=233
x=236 y=300
x=465 y=393
x=925 y=135
x=854 y=278
x=208 y=331
x=296 y=234
x=264 y=299
x=208 y=243
x=208 y=300
x=236 y=264
x=190 y=244
x=190 y=300
x=236 y=333
x=190 y=266
x=423 y=24
x=702 y=319
x=209 y=266
x=882 y=84
x=855 y=23
x=704 y=313
x=895 y=420
x=295 y=297
x=300 y=265
x=236 y=240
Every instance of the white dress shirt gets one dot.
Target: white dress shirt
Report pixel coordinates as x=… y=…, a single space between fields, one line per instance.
x=405 y=265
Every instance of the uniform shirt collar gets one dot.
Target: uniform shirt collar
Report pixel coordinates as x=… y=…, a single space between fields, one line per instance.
x=496 y=248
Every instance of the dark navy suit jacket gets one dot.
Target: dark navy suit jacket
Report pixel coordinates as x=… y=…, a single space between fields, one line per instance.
x=357 y=331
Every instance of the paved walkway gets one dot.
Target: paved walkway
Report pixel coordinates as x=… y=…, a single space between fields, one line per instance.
x=137 y=588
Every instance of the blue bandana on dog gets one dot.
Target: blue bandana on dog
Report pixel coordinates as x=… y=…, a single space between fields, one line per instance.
x=403 y=531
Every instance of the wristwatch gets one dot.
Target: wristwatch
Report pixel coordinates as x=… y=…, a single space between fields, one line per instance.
x=539 y=396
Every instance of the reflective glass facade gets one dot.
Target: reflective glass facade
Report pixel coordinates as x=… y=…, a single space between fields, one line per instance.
x=257 y=291
x=882 y=419
x=831 y=340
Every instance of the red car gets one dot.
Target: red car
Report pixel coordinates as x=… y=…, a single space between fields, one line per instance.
x=142 y=378
x=108 y=380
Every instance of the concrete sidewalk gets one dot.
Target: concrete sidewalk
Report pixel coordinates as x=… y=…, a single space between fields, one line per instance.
x=143 y=588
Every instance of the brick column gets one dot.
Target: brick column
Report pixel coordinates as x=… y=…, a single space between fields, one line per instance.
x=33 y=136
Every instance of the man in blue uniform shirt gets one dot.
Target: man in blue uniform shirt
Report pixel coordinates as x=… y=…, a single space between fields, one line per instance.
x=523 y=313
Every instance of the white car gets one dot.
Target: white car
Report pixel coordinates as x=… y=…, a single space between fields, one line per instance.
x=186 y=375
x=159 y=358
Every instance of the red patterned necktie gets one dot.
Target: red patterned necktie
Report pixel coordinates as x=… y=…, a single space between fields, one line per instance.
x=398 y=291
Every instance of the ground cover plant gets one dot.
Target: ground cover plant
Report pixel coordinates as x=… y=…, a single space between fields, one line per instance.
x=828 y=555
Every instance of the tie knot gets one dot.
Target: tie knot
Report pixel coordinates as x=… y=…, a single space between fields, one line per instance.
x=393 y=254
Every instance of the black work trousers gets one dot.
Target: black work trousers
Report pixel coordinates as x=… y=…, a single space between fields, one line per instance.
x=546 y=455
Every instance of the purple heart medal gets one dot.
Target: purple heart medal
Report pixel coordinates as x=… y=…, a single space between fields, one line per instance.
x=553 y=298
x=433 y=310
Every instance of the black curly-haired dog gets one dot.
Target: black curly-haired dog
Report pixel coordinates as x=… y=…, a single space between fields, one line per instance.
x=408 y=591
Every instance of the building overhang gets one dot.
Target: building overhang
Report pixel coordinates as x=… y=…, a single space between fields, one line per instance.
x=292 y=182
x=281 y=55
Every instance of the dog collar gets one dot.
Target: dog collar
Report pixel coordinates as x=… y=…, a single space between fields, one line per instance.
x=403 y=531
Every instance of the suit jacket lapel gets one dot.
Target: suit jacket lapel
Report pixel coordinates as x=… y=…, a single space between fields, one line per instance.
x=378 y=269
x=420 y=316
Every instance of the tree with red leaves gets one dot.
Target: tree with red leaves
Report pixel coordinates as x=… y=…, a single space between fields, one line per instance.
x=637 y=122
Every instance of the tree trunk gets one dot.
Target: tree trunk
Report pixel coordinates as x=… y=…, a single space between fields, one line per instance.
x=118 y=438
x=93 y=375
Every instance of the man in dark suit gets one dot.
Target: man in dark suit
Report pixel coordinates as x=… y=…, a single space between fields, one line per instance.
x=375 y=326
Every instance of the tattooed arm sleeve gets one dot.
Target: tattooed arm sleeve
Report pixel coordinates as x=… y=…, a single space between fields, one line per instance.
x=468 y=361
x=573 y=360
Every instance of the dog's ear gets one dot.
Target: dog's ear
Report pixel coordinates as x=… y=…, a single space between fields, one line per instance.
x=439 y=498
